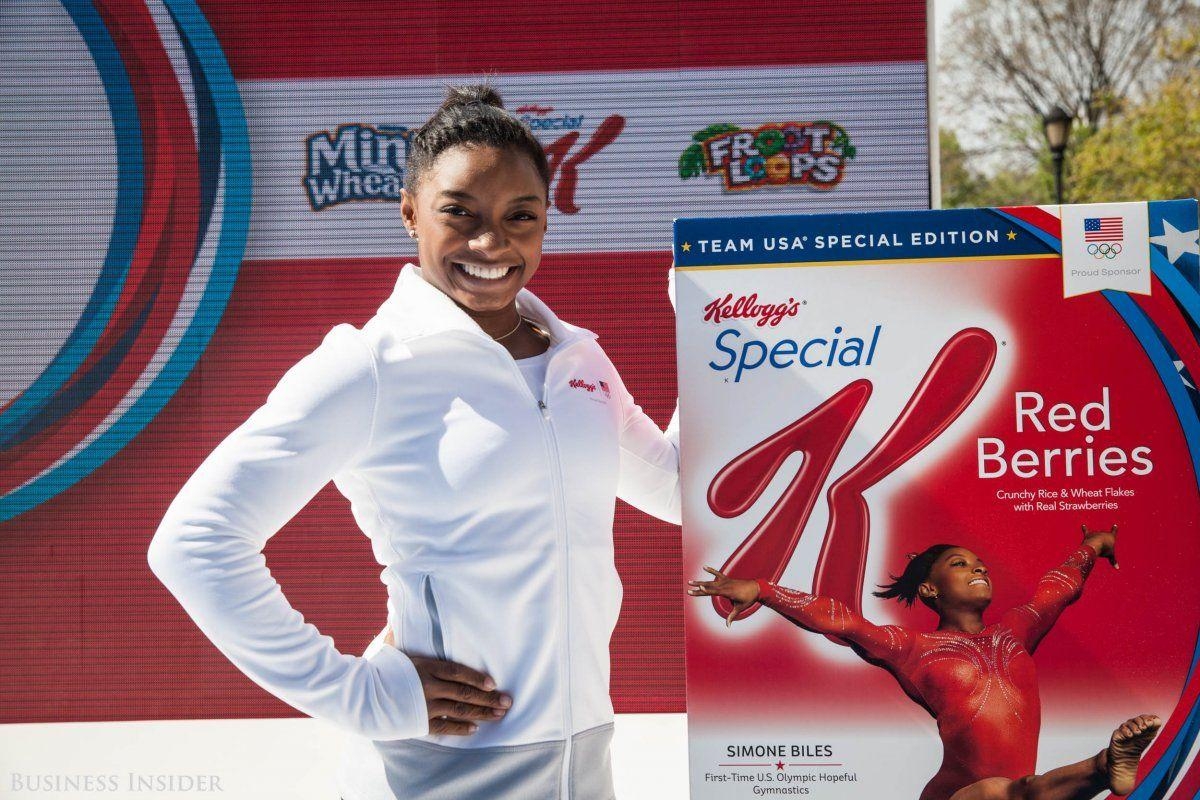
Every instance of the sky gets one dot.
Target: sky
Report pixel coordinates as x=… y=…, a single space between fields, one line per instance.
x=942 y=10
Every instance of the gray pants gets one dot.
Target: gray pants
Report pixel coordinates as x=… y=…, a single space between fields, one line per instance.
x=418 y=770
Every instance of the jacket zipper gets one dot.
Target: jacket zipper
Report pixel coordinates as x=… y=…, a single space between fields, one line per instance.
x=560 y=519
x=560 y=514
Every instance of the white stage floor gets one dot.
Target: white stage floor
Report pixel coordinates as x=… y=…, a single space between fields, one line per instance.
x=288 y=759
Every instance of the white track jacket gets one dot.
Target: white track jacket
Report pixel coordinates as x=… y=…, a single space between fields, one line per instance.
x=491 y=514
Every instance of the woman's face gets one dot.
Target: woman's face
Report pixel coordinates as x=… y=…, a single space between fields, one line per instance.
x=480 y=216
x=958 y=579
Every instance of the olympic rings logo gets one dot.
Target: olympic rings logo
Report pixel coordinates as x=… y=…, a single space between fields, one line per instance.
x=1104 y=249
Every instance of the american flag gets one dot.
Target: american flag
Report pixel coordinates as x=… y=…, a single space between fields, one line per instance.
x=1103 y=229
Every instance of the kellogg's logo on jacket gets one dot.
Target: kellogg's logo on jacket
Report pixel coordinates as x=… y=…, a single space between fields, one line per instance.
x=590 y=387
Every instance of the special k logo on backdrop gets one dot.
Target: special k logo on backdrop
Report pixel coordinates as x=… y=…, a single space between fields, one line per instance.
x=570 y=140
x=771 y=155
x=547 y=118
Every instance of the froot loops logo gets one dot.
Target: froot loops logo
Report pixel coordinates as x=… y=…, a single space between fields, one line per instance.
x=1109 y=250
x=771 y=155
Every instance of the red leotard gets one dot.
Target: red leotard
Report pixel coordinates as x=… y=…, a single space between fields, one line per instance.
x=981 y=688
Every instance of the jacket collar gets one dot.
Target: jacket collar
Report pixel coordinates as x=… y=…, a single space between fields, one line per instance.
x=418 y=308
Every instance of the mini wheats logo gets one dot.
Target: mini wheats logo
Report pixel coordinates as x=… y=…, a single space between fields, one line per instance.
x=774 y=154
x=356 y=162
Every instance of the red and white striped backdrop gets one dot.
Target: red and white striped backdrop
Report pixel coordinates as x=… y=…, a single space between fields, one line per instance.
x=616 y=91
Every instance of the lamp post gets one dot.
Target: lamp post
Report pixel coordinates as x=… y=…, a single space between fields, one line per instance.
x=1057 y=126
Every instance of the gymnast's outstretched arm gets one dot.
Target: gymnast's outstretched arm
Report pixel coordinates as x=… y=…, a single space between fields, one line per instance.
x=1059 y=588
x=885 y=644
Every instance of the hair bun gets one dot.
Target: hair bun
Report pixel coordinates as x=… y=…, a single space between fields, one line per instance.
x=473 y=116
x=479 y=93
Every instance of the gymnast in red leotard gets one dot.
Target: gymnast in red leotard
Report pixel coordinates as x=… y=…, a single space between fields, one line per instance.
x=978 y=681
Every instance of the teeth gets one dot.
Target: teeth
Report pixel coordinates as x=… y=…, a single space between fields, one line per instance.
x=487 y=273
x=977 y=580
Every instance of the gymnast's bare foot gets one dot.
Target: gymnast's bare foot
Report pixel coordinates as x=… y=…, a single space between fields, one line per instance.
x=1125 y=750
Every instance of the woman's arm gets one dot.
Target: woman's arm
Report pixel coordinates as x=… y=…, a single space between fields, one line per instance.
x=208 y=548
x=884 y=644
x=1059 y=588
x=649 y=478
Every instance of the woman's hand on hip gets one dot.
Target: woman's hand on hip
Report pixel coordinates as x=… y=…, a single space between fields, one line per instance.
x=456 y=695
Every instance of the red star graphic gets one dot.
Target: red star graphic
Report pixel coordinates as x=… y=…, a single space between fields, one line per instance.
x=778 y=765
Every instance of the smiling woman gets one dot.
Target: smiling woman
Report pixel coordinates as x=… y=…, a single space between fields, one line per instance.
x=482 y=443
x=476 y=202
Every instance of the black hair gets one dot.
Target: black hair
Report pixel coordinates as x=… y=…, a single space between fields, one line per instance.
x=472 y=115
x=904 y=586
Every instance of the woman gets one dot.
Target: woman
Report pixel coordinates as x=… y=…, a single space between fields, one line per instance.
x=977 y=680
x=481 y=442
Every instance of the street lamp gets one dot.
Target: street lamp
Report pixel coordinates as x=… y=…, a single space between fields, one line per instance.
x=1057 y=125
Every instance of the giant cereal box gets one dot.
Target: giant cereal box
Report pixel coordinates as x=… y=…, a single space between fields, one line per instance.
x=917 y=446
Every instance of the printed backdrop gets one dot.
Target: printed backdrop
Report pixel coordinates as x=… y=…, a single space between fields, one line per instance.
x=194 y=194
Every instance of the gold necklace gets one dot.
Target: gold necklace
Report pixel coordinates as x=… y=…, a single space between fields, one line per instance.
x=516 y=327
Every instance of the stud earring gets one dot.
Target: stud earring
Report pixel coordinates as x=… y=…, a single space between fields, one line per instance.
x=412 y=234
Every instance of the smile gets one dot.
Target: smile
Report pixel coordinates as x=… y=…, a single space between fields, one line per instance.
x=983 y=581
x=485 y=273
